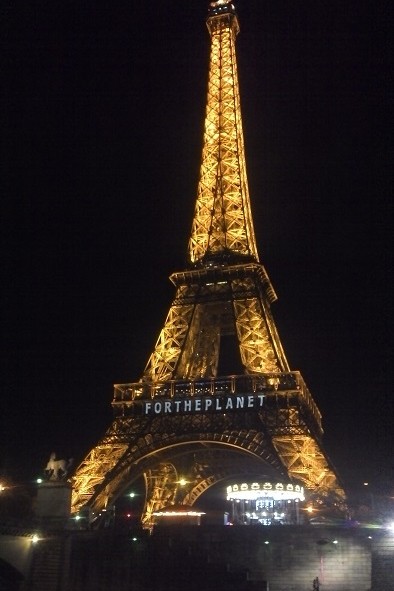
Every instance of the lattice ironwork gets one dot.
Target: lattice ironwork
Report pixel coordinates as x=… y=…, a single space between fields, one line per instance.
x=222 y=219
x=183 y=406
x=208 y=305
x=93 y=471
x=306 y=462
x=164 y=359
x=161 y=485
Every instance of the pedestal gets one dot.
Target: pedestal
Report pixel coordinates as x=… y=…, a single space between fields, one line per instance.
x=53 y=505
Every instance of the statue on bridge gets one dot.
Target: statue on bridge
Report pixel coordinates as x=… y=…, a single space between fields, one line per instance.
x=57 y=469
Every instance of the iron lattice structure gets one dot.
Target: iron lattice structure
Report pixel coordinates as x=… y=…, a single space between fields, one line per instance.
x=223 y=220
x=224 y=296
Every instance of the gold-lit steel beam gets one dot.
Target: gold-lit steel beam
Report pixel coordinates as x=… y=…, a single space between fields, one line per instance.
x=163 y=361
x=307 y=463
x=161 y=485
x=255 y=341
x=223 y=220
x=98 y=463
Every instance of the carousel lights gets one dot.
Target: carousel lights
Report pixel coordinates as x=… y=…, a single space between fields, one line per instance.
x=265 y=503
x=277 y=491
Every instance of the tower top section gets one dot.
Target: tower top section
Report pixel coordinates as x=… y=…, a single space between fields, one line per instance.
x=221 y=11
x=222 y=228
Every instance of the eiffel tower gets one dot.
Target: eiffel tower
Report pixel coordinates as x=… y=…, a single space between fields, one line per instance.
x=217 y=398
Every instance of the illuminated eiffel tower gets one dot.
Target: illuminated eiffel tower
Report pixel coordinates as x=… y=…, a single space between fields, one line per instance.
x=184 y=417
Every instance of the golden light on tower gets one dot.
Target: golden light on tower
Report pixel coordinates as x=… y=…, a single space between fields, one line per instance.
x=222 y=219
x=224 y=293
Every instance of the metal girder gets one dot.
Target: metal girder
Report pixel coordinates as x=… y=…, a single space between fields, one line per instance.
x=201 y=351
x=205 y=308
x=222 y=219
x=163 y=361
x=255 y=342
x=161 y=485
x=97 y=479
x=306 y=462
x=93 y=470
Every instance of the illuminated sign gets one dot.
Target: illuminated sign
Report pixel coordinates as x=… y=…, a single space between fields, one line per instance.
x=204 y=404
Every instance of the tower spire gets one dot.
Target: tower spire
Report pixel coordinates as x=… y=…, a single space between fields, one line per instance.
x=222 y=224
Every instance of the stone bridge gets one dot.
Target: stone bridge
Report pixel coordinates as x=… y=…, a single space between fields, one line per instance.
x=243 y=558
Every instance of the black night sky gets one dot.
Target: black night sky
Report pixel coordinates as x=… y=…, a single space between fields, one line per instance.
x=102 y=120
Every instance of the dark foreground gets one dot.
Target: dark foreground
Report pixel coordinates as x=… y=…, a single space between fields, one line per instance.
x=205 y=558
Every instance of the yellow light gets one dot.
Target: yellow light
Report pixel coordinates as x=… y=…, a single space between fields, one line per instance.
x=178 y=513
x=182 y=482
x=35 y=539
x=310 y=509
